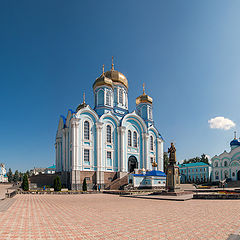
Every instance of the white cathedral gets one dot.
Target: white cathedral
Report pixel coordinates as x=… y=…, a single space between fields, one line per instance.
x=227 y=164
x=107 y=142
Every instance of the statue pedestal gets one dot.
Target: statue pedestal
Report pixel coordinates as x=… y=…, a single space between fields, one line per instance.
x=173 y=178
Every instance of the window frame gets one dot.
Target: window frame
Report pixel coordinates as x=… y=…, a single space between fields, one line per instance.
x=88 y=130
x=109 y=134
x=86 y=151
x=135 y=139
x=151 y=143
x=108 y=98
x=121 y=96
x=129 y=138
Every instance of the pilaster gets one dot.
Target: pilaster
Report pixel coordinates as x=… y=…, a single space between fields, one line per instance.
x=146 y=153
x=160 y=154
x=122 y=131
x=75 y=125
x=63 y=150
x=100 y=173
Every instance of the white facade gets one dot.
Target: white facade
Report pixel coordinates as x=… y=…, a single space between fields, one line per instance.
x=3 y=174
x=108 y=138
x=227 y=164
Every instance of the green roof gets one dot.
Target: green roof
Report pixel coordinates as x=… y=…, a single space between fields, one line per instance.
x=53 y=166
x=197 y=164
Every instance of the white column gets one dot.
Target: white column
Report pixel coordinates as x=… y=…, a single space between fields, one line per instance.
x=100 y=175
x=160 y=154
x=74 y=160
x=77 y=144
x=99 y=127
x=67 y=150
x=119 y=148
x=56 y=159
x=63 y=150
x=123 y=145
x=146 y=157
x=143 y=151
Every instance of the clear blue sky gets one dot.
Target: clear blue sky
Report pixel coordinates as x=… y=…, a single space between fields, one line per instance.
x=187 y=53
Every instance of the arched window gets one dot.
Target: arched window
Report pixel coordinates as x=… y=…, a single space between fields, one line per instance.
x=129 y=138
x=216 y=164
x=108 y=98
x=150 y=112
x=86 y=130
x=109 y=134
x=225 y=164
x=134 y=139
x=121 y=96
x=216 y=175
x=151 y=143
x=100 y=98
x=226 y=174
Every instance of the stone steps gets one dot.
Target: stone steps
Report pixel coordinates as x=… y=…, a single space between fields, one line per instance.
x=117 y=183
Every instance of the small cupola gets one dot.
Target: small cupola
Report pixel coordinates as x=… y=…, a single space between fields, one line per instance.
x=144 y=98
x=235 y=142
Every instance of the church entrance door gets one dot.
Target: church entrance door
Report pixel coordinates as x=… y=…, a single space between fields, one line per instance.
x=132 y=163
x=238 y=175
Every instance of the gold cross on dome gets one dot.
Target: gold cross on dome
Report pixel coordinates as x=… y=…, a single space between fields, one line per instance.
x=103 y=70
x=84 y=97
x=112 y=64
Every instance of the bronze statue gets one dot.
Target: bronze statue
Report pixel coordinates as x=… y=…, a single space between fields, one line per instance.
x=173 y=177
x=172 y=153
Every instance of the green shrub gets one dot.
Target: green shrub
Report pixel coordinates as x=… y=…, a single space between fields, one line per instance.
x=84 y=186
x=57 y=184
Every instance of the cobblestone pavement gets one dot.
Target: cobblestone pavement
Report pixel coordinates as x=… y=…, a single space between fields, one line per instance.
x=103 y=216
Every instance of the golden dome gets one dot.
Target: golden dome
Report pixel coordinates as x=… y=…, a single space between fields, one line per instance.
x=144 y=98
x=103 y=80
x=110 y=77
x=117 y=77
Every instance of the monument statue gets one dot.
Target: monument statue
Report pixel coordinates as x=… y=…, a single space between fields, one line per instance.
x=172 y=153
x=173 y=176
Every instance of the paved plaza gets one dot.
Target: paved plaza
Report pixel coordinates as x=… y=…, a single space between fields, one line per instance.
x=103 y=216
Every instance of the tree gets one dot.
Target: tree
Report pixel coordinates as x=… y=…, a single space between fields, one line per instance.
x=25 y=185
x=165 y=161
x=28 y=174
x=10 y=175
x=84 y=186
x=203 y=158
x=20 y=176
x=57 y=184
x=16 y=176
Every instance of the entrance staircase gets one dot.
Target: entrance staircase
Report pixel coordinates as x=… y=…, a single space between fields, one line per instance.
x=118 y=183
x=233 y=184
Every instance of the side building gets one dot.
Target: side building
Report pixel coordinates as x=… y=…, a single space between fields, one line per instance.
x=227 y=164
x=107 y=142
x=3 y=174
x=198 y=172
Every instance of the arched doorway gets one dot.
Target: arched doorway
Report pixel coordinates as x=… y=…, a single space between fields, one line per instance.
x=132 y=163
x=238 y=175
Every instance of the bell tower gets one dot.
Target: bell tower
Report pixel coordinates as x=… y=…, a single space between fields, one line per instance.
x=144 y=107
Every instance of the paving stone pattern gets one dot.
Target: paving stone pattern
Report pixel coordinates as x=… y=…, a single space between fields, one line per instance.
x=105 y=216
x=5 y=204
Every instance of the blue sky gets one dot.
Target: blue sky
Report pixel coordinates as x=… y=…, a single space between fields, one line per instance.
x=186 y=52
